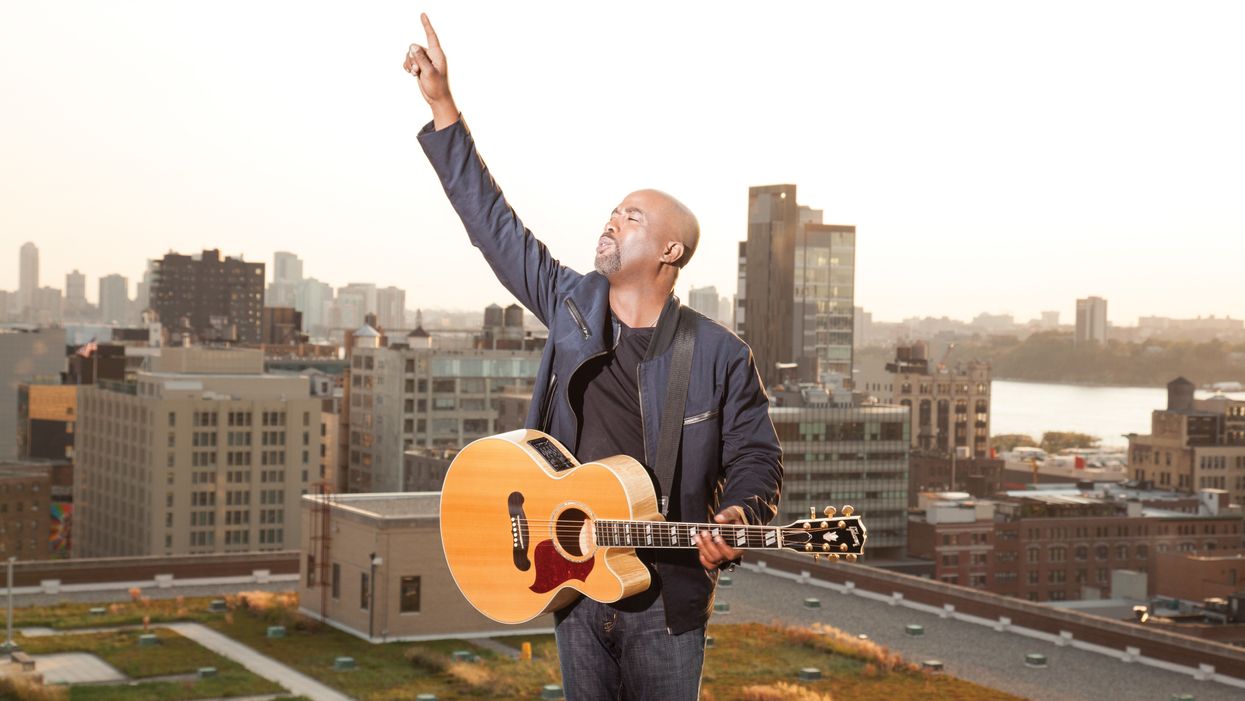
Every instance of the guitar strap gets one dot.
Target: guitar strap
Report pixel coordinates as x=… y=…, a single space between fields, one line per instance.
x=671 y=429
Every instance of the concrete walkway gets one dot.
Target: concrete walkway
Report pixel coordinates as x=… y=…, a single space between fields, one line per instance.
x=262 y=665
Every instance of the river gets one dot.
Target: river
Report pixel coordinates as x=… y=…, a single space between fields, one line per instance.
x=1106 y=412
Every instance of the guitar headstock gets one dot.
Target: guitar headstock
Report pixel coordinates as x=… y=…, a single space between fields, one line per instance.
x=833 y=535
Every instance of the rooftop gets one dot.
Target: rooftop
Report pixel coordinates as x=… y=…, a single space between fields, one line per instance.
x=384 y=505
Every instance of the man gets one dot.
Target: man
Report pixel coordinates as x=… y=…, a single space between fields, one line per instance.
x=600 y=390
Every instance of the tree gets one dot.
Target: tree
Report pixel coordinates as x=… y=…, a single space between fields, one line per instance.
x=1007 y=442
x=1055 y=441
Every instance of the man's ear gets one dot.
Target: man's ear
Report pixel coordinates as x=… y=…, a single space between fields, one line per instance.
x=672 y=253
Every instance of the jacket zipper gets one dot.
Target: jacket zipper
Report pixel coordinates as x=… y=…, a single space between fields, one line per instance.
x=547 y=410
x=579 y=318
x=704 y=416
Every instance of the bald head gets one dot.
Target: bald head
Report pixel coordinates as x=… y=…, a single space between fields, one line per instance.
x=674 y=221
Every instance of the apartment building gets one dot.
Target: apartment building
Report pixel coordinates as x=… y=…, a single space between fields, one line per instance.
x=209 y=458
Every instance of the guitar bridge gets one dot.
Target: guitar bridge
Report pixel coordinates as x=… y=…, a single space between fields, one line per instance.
x=518 y=532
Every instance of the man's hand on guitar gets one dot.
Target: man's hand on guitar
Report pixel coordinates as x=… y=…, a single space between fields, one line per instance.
x=428 y=66
x=714 y=552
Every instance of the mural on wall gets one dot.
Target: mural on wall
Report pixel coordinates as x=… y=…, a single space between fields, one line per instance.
x=62 y=528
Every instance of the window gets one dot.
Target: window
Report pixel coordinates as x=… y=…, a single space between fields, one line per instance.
x=363 y=590
x=410 y=595
x=336 y=585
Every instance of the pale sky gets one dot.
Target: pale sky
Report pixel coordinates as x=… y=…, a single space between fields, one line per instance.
x=994 y=156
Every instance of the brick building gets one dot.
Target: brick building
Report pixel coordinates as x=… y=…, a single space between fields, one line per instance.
x=209 y=298
x=1062 y=543
x=25 y=507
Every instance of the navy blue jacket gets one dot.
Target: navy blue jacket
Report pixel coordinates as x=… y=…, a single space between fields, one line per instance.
x=730 y=454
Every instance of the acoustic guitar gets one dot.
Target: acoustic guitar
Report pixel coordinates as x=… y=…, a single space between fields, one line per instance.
x=525 y=527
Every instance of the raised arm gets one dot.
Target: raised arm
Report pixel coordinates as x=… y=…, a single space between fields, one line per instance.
x=522 y=263
x=428 y=65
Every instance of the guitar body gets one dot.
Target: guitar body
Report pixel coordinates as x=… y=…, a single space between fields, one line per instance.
x=513 y=510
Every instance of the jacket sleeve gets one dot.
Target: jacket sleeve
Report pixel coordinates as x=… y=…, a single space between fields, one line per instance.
x=751 y=455
x=522 y=263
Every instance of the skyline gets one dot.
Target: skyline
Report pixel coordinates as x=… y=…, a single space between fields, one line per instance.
x=1066 y=321
x=931 y=130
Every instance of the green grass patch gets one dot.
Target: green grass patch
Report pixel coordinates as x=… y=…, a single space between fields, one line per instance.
x=174 y=655
x=69 y=616
x=749 y=662
x=223 y=686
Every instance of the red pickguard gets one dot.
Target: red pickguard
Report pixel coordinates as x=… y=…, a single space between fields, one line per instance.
x=553 y=570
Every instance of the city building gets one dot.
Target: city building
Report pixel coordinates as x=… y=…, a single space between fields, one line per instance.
x=287 y=278
x=28 y=277
x=142 y=291
x=1192 y=444
x=707 y=301
x=979 y=477
x=203 y=452
x=25 y=507
x=403 y=397
x=46 y=414
x=504 y=329
x=838 y=451
x=26 y=355
x=1063 y=542
x=76 y=306
x=114 y=299
x=796 y=288
x=1049 y=320
x=313 y=299
x=1197 y=577
x=282 y=326
x=48 y=307
x=424 y=469
x=950 y=402
x=373 y=567
x=390 y=308
x=1091 y=321
x=207 y=298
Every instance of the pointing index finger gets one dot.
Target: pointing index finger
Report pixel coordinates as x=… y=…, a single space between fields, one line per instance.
x=433 y=42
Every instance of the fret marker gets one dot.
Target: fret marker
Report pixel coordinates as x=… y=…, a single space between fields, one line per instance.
x=771 y=537
x=627 y=533
x=741 y=537
x=674 y=535
x=648 y=533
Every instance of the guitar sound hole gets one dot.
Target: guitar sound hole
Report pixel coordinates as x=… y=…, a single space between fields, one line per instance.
x=569 y=529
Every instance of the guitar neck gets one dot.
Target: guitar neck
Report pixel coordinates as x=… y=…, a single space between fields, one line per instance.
x=667 y=534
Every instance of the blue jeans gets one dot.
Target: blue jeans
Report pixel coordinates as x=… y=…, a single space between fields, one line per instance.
x=609 y=654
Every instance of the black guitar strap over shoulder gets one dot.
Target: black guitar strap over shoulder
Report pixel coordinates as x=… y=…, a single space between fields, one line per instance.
x=671 y=429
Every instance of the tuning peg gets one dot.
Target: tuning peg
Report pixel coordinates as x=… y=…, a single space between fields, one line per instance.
x=806 y=525
x=833 y=556
x=848 y=510
x=825 y=524
x=851 y=557
x=808 y=547
x=843 y=547
x=812 y=512
x=829 y=512
x=816 y=557
x=825 y=546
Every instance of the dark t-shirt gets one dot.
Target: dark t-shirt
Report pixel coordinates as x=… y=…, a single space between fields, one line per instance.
x=605 y=394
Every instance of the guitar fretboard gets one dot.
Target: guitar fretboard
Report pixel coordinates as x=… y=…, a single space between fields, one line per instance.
x=664 y=534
